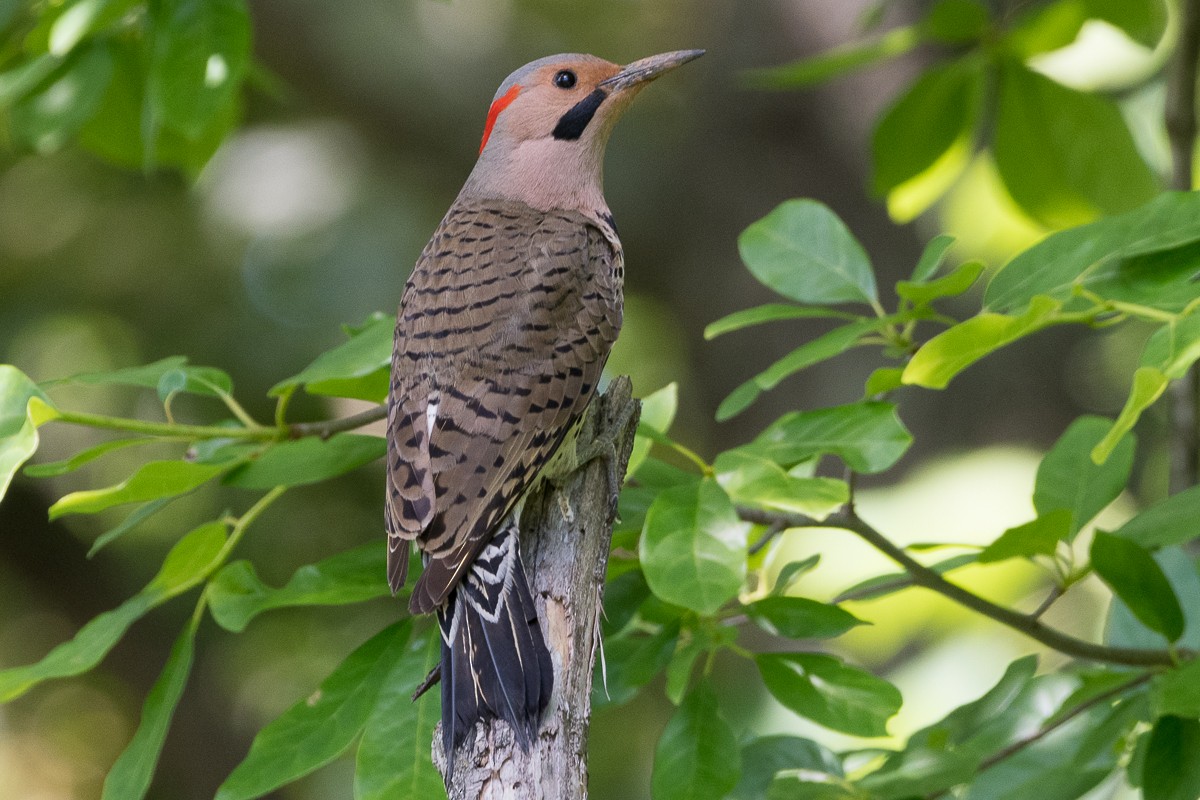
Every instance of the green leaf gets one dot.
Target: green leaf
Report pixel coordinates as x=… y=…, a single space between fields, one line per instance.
x=20 y=80
x=307 y=460
x=1136 y=578
x=1148 y=386
x=135 y=518
x=357 y=368
x=824 y=347
x=753 y=479
x=805 y=253
x=883 y=381
x=1069 y=479
x=762 y=758
x=237 y=595
x=955 y=349
x=956 y=21
x=174 y=371
x=939 y=110
x=1124 y=629
x=693 y=547
x=188 y=563
x=320 y=727
x=1172 y=766
x=1174 y=347
x=823 y=689
x=801 y=618
x=1144 y=22
x=1066 y=157
x=680 y=667
x=697 y=756
x=194 y=380
x=1178 y=692
x=20 y=417
x=151 y=481
x=1169 y=522
x=791 y=784
x=633 y=659
x=835 y=62
x=772 y=312
x=200 y=52
x=393 y=756
x=658 y=412
x=52 y=469
x=1040 y=537
x=81 y=19
x=951 y=285
x=130 y=776
x=45 y=120
x=791 y=572
x=868 y=436
x=1097 y=255
x=932 y=258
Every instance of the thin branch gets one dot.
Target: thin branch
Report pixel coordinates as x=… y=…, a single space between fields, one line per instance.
x=328 y=428
x=1056 y=592
x=773 y=530
x=929 y=579
x=1184 y=440
x=165 y=430
x=1041 y=733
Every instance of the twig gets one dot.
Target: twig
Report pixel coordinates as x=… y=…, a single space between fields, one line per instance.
x=1041 y=733
x=328 y=428
x=1180 y=117
x=1056 y=592
x=929 y=579
x=773 y=530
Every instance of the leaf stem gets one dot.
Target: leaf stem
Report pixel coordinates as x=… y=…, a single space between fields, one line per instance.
x=328 y=428
x=166 y=430
x=247 y=519
x=847 y=519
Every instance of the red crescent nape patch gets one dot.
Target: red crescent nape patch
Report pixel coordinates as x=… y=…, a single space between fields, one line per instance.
x=494 y=112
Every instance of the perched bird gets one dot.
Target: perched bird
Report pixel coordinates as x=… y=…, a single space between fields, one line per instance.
x=503 y=331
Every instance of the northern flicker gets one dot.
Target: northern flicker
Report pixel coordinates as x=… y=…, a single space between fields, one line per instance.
x=504 y=328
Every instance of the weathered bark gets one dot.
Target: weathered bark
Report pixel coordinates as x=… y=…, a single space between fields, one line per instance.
x=565 y=536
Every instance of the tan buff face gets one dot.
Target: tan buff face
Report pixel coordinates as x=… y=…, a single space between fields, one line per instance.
x=536 y=102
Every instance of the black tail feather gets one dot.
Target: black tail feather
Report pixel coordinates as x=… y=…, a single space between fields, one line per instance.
x=495 y=663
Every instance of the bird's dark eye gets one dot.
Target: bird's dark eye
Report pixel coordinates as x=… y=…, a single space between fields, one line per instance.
x=564 y=79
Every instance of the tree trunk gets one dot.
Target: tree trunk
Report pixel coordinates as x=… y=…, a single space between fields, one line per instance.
x=565 y=536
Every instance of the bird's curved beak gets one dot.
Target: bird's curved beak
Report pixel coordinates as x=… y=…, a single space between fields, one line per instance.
x=647 y=69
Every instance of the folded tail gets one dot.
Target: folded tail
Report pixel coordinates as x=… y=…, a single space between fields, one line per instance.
x=494 y=659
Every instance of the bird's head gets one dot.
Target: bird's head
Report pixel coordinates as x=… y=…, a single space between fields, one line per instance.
x=543 y=141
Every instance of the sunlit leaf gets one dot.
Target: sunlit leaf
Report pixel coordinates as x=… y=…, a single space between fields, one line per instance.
x=955 y=349
x=151 y=481
x=237 y=595
x=868 y=436
x=750 y=478
x=82 y=18
x=135 y=518
x=1065 y=156
x=823 y=689
x=1144 y=22
x=693 y=547
x=393 y=757
x=939 y=109
x=51 y=469
x=357 y=368
x=307 y=460
x=882 y=381
x=1174 y=347
x=697 y=756
x=188 y=563
x=1069 y=479
x=130 y=776
x=19 y=420
x=320 y=727
x=658 y=412
x=951 y=285
x=806 y=253
x=1148 y=386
